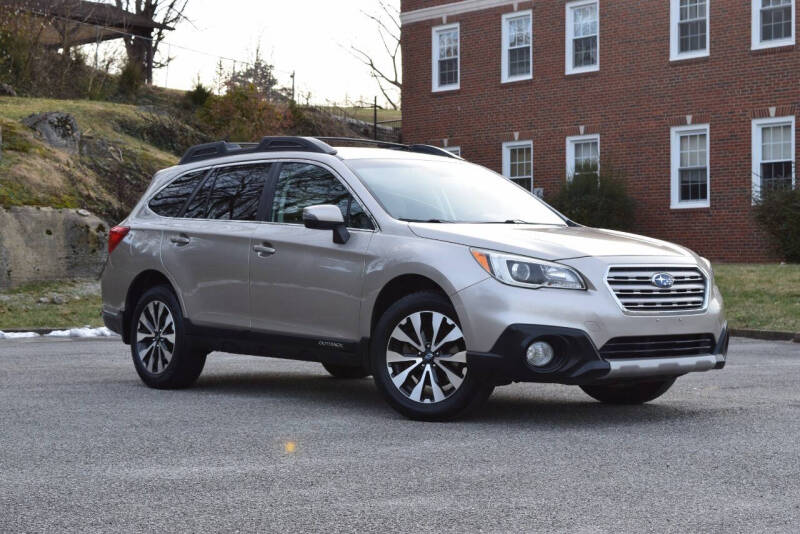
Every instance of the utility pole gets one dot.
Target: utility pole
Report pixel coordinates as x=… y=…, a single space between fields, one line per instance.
x=293 y=101
x=375 y=117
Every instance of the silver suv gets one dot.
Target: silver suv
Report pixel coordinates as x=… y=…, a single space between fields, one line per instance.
x=438 y=277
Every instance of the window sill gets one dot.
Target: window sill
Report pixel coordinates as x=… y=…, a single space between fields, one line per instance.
x=688 y=60
x=446 y=92
x=774 y=49
x=518 y=81
x=690 y=206
x=582 y=73
x=509 y=81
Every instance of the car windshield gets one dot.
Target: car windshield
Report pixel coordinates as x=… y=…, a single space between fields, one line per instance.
x=449 y=191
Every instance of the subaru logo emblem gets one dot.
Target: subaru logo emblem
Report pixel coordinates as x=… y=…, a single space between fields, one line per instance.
x=662 y=280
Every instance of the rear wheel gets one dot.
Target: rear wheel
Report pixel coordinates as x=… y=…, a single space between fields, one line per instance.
x=162 y=355
x=630 y=392
x=345 y=371
x=419 y=360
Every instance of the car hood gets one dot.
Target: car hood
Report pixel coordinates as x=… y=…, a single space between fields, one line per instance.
x=548 y=242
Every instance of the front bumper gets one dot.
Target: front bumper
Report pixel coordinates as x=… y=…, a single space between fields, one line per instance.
x=578 y=361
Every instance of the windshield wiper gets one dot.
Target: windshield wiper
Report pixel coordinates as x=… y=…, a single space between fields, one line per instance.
x=508 y=221
x=425 y=220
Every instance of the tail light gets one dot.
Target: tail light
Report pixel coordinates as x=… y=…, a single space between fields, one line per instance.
x=115 y=236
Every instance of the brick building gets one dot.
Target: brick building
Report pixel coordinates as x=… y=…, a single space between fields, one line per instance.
x=695 y=100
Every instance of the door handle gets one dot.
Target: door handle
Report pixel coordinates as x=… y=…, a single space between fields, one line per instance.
x=264 y=250
x=179 y=240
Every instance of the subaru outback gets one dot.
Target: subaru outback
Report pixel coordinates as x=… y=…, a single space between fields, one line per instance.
x=438 y=277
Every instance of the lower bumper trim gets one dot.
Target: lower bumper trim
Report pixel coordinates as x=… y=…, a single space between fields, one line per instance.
x=632 y=368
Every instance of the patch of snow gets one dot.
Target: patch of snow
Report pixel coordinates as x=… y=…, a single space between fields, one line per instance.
x=17 y=335
x=82 y=332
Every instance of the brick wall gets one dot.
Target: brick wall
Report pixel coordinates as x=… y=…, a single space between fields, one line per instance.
x=631 y=102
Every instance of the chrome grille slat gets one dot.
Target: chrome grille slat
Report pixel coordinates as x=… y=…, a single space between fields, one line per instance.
x=634 y=291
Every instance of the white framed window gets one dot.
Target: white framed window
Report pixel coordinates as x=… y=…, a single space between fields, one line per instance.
x=583 y=36
x=446 y=41
x=456 y=150
x=773 y=155
x=583 y=154
x=518 y=163
x=773 y=23
x=517 y=59
x=690 y=168
x=688 y=29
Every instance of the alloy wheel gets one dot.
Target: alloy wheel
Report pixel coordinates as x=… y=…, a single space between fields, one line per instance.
x=426 y=357
x=155 y=337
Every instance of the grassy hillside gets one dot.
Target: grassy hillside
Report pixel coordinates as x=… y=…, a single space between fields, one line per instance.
x=112 y=169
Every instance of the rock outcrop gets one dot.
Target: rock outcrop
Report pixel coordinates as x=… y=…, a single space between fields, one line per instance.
x=59 y=130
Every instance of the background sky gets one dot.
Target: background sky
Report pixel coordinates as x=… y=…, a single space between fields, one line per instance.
x=311 y=37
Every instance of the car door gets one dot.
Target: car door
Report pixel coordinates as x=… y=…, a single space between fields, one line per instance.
x=301 y=282
x=207 y=250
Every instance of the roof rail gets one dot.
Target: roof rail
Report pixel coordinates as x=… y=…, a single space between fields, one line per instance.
x=419 y=148
x=267 y=144
x=319 y=145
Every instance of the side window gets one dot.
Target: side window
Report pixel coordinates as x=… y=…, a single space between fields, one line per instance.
x=301 y=185
x=196 y=209
x=237 y=192
x=233 y=193
x=170 y=200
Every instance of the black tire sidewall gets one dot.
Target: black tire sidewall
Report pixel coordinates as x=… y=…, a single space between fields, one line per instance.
x=472 y=392
x=182 y=368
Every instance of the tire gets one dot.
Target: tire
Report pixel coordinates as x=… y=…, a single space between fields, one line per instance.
x=163 y=356
x=345 y=371
x=631 y=392
x=433 y=385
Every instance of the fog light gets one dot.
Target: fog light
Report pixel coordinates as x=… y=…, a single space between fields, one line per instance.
x=540 y=354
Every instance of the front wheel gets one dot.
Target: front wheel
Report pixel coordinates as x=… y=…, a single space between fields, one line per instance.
x=630 y=392
x=163 y=355
x=419 y=360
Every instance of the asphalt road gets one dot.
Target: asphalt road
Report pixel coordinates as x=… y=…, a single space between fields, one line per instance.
x=271 y=445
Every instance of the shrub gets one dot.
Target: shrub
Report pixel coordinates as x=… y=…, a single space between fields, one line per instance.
x=779 y=214
x=131 y=79
x=197 y=97
x=242 y=114
x=597 y=199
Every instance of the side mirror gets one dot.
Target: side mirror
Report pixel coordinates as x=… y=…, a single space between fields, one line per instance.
x=327 y=217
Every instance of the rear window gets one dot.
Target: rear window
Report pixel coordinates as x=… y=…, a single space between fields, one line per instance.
x=170 y=201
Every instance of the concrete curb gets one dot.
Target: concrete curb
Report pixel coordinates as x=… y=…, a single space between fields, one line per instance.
x=40 y=331
x=770 y=335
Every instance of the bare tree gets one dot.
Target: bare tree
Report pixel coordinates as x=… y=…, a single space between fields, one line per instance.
x=142 y=49
x=389 y=79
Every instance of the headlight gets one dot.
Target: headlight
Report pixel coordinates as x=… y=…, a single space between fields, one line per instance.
x=527 y=272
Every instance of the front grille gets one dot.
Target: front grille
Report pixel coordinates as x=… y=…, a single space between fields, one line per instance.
x=658 y=346
x=635 y=290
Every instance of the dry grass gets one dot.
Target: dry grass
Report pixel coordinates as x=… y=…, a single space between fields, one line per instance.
x=35 y=174
x=80 y=305
x=764 y=297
